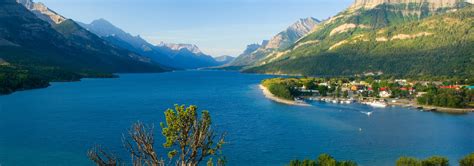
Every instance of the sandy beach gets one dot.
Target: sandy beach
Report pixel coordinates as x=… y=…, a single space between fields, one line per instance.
x=270 y=96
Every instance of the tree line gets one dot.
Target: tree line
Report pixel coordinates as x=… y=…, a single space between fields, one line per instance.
x=327 y=160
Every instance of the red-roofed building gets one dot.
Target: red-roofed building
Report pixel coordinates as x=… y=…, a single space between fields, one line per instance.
x=457 y=87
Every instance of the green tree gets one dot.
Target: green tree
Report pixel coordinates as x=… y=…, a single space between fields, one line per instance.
x=467 y=160
x=189 y=136
x=408 y=161
x=346 y=163
x=435 y=161
x=282 y=91
x=326 y=160
x=345 y=94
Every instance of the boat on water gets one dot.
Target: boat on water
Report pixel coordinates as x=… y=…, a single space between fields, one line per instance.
x=367 y=113
x=299 y=100
x=378 y=104
x=346 y=101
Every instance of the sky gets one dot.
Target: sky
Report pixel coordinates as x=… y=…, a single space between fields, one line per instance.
x=217 y=27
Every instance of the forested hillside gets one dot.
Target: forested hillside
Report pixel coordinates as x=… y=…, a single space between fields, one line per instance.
x=381 y=40
x=33 y=52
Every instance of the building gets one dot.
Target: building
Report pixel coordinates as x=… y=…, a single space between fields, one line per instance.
x=354 y=88
x=385 y=94
x=457 y=87
x=420 y=94
x=401 y=82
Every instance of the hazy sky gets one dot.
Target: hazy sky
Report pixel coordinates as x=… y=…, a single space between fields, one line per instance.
x=218 y=27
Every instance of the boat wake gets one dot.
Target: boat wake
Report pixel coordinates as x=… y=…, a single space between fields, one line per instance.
x=367 y=113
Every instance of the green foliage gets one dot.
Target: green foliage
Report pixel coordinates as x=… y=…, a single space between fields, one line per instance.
x=447 y=51
x=435 y=161
x=303 y=163
x=451 y=98
x=189 y=136
x=408 y=161
x=326 y=160
x=283 y=88
x=12 y=79
x=432 y=161
x=467 y=160
x=322 y=160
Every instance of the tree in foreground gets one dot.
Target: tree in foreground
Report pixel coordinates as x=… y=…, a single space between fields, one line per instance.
x=190 y=139
x=432 y=161
x=435 y=161
x=408 y=161
x=323 y=160
x=467 y=160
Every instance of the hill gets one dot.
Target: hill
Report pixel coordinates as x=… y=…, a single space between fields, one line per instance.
x=34 y=48
x=403 y=39
x=180 y=56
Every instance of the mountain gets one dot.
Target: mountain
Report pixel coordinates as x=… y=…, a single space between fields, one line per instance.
x=395 y=37
x=177 y=47
x=122 y=39
x=42 y=11
x=181 y=56
x=224 y=59
x=288 y=37
x=280 y=41
x=248 y=56
x=34 y=52
x=432 y=5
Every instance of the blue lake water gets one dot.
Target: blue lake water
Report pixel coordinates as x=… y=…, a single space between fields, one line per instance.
x=56 y=125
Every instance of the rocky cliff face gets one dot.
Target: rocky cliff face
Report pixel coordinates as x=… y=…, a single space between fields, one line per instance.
x=177 y=47
x=256 y=52
x=433 y=4
x=42 y=11
x=292 y=33
x=247 y=57
x=64 y=45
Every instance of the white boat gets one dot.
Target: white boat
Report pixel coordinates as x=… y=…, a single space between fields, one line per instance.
x=346 y=102
x=367 y=113
x=378 y=104
x=299 y=100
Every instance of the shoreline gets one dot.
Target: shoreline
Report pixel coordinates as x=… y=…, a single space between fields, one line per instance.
x=427 y=108
x=272 y=97
x=443 y=109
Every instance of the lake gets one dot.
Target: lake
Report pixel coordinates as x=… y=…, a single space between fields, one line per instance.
x=56 y=125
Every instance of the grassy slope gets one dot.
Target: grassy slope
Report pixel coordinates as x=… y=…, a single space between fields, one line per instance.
x=448 y=52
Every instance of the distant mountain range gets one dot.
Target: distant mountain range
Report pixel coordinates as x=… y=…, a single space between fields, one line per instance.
x=180 y=56
x=283 y=40
x=224 y=59
x=395 y=37
x=32 y=40
x=38 y=45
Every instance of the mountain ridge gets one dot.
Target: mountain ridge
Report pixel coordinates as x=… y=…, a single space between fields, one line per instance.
x=278 y=42
x=179 y=56
x=43 y=12
x=348 y=32
x=34 y=52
